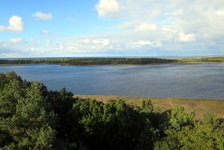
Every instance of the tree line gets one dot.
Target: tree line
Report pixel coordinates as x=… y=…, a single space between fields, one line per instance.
x=90 y=61
x=34 y=118
x=217 y=59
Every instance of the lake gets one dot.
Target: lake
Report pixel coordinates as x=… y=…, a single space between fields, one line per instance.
x=168 y=80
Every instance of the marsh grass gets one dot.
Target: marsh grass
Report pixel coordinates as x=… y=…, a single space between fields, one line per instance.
x=197 y=106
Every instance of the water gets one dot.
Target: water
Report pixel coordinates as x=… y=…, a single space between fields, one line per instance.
x=169 y=80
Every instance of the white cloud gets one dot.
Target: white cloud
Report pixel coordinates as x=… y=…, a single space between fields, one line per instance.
x=129 y=24
x=137 y=26
x=145 y=43
x=174 y=25
x=146 y=27
x=60 y=47
x=32 y=49
x=130 y=9
x=107 y=7
x=15 y=25
x=44 y=32
x=35 y=40
x=220 y=13
x=42 y=16
x=186 y=37
x=140 y=43
x=106 y=42
x=16 y=40
x=96 y=42
x=93 y=46
x=48 y=41
x=203 y=18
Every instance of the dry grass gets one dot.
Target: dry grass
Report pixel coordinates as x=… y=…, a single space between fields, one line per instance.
x=198 y=106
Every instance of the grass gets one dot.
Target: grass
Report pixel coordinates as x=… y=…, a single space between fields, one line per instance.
x=199 y=60
x=198 y=106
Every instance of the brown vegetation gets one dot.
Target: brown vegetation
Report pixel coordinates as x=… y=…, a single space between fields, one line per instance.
x=198 y=106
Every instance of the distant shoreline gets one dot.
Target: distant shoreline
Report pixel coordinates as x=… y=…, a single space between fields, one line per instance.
x=112 y=61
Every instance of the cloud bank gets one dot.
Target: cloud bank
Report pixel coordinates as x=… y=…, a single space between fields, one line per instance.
x=203 y=18
x=176 y=26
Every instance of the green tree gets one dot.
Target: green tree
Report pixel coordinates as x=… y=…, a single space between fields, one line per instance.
x=32 y=122
x=149 y=136
x=12 y=88
x=147 y=106
x=208 y=118
x=179 y=118
x=26 y=119
x=114 y=125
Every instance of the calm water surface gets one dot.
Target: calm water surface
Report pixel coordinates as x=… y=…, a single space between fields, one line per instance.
x=187 y=81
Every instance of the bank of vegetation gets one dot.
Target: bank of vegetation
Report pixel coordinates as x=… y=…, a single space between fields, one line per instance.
x=32 y=117
x=202 y=60
x=89 y=61
x=198 y=106
x=112 y=61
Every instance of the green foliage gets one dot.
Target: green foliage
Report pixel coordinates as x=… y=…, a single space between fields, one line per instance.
x=31 y=117
x=112 y=61
x=90 y=61
x=26 y=119
x=203 y=59
x=179 y=118
x=148 y=136
x=103 y=124
x=184 y=133
x=147 y=106
x=208 y=118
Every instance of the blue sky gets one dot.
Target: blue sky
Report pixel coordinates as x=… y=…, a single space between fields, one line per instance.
x=66 y=28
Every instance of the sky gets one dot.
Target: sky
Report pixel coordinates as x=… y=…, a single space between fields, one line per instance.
x=111 y=28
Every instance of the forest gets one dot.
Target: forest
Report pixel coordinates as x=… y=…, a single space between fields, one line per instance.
x=35 y=118
x=89 y=61
x=111 y=61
